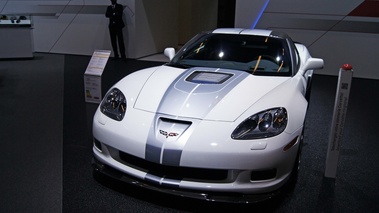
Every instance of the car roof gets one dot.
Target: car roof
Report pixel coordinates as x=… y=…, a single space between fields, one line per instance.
x=257 y=32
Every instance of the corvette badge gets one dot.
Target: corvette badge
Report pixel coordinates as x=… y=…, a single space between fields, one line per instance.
x=168 y=134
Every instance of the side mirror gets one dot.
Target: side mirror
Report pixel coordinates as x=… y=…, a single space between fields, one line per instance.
x=169 y=52
x=313 y=63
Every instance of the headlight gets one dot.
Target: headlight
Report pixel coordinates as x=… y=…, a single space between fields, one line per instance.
x=262 y=125
x=114 y=104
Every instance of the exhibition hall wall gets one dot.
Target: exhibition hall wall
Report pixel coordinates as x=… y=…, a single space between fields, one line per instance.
x=80 y=27
x=337 y=31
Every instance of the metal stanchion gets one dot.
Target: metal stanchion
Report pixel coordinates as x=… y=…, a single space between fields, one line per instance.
x=338 y=120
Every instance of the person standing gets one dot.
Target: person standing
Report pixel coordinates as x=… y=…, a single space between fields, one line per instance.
x=114 y=13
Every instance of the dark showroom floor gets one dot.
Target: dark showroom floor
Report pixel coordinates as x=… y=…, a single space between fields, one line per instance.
x=46 y=147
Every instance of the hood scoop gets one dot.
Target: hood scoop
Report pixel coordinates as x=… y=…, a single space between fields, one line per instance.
x=196 y=92
x=206 y=77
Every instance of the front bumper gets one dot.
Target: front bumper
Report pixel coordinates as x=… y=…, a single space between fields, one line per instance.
x=120 y=152
x=199 y=195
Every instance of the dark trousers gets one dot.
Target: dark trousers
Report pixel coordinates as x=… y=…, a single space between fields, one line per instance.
x=117 y=36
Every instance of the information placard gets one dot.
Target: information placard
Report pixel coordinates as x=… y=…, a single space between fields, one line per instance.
x=92 y=75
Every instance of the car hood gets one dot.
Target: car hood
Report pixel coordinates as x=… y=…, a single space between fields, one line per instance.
x=203 y=93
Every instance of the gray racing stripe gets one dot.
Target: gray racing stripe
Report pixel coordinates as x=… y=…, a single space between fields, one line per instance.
x=186 y=99
x=171 y=157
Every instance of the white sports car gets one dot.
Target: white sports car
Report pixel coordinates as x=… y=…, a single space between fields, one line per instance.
x=223 y=120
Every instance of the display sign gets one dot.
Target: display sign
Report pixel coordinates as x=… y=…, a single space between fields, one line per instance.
x=338 y=120
x=92 y=75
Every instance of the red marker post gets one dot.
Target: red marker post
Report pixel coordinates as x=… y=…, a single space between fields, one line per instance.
x=338 y=120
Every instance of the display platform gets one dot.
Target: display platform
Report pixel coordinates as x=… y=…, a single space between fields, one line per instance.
x=16 y=36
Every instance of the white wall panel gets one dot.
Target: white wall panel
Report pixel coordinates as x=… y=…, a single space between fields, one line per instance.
x=61 y=25
x=156 y=26
x=83 y=35
x=196 y=16
x=325 y=7
x=80 y=27
x=248 y=12
x=327 y=29
x=361 y=50
x=48 y=30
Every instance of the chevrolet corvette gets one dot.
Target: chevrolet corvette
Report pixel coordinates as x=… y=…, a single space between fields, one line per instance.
x=222 y=121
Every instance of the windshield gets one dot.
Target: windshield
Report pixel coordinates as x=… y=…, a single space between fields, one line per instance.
x=258 y=55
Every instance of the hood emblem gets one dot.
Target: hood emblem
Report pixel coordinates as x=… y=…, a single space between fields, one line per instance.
x=168 y=134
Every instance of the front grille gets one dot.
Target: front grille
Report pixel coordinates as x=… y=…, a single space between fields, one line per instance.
x=173 y=172
x=263 y=175
x=97 y=144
